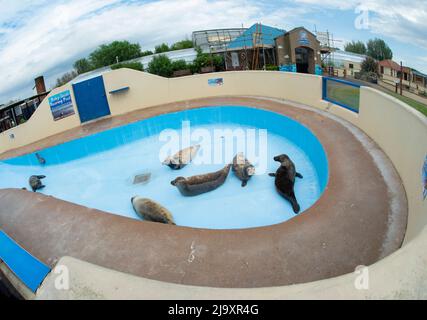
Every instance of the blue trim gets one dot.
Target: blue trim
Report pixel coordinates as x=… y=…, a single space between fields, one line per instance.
x=119 y=90
x=26 y=267
x=325 y=92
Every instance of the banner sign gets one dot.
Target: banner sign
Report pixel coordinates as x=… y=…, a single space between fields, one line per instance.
x=216 y=82
x=61 y=105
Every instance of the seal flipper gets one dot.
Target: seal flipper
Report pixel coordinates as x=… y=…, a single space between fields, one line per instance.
x=244 y=183
x=272 y=174
x=41 y=177
x=299 y=175
x=293 y=200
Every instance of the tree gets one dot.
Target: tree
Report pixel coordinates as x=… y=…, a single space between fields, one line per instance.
x=107 y=54
x=355 y=47
x=146 y=53
x=161 y=65
x=161 y=48
x=82 y=66
x=179 y=65
x=65 y=78
x=130 y=65
x=369 y=65
x=184 y=44
x=379 y=50
x=207 y=60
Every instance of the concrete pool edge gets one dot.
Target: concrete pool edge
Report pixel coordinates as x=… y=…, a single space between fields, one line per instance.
x=272 y=280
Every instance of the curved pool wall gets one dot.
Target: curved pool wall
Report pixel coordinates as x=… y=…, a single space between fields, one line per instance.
x=379 y=116
x=81 y=155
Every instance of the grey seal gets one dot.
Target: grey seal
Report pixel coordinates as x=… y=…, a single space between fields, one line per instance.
x=150 y=210
x=203 y=183
x=36 y=183
x=182 y=158
x=242 y=168
x=285 y=180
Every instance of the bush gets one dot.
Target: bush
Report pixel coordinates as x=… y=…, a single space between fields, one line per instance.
x=179 y=65
x=161 y=65
x=369 y=65
x=130 y=65
x=271 y=67
x=107 y=55
x=184 y=44
x=161 y=48
x=206 y=60
x=66 y=77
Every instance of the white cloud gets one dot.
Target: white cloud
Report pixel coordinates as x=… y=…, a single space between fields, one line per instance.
x=45 y=37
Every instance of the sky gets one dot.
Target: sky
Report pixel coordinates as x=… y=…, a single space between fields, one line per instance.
x=45 y=37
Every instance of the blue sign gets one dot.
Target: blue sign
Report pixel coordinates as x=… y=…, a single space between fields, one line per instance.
x=303 y=38
x=216 y=82
x=424 y=175
x=61 y=105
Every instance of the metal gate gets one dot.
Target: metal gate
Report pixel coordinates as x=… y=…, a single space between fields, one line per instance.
x=91 y=99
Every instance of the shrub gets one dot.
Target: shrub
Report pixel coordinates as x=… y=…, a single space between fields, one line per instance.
x=179 y=65
x=271 y=67
x=161 y=48
x=161 y=65
x=369 y=65
x=184 y=44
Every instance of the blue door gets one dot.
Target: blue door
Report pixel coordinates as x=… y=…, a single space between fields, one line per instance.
x=91 y=99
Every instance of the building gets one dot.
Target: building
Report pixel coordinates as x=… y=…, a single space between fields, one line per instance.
x=254 y=49
x=344 y=63
x=412 y=80
x=215 y=40
x=18 y=112
x=298 y=51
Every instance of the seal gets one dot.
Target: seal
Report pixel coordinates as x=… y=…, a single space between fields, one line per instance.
x=36 y=183
x=40 y=159
x=182 y=158
x=285 y=180
x=150 y=210
x=203 y=183
x=242 y=168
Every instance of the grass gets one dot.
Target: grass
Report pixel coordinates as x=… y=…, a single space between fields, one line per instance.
x=421 y=107
x=344 y=94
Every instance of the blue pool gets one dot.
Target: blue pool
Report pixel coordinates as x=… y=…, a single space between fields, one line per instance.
x=97 y=171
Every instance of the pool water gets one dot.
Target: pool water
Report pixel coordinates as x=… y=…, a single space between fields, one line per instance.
x=98 y=171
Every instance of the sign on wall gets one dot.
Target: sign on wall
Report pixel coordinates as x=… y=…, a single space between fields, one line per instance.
x=303 y=38
x=424 y=175
x=61 y=105
x=216 y=82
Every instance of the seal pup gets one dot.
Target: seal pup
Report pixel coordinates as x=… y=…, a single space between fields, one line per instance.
x=40 y=159
x=36 y=183
x=199 y=184
x=182 y=158
x=285 y=180
x=242 y=168
x=150 y=210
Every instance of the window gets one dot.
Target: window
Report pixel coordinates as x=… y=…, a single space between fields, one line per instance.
x=351 y=66
x=382 y=70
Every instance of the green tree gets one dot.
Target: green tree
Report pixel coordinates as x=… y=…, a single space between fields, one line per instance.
x=65 y=78
x=355 y=47
x=184 y=44
x=161 y=48
x=107 y=54
x=369 y=65
x=146 y=53
x=207 y=60
x=379 y=50
x=179 y=65
x=82 y=66
x=130 y=65
x=161 y=65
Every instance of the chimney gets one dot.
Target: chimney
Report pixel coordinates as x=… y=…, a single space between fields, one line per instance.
x=40 y=86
